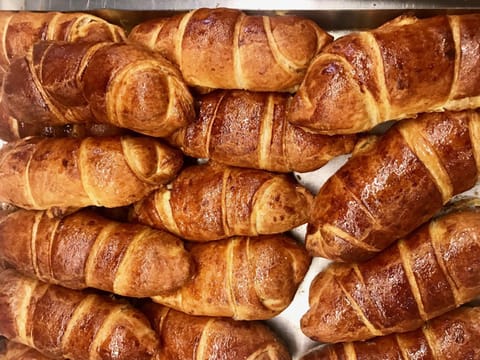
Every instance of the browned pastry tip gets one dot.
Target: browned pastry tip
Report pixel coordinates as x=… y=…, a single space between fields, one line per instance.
x=245 y=278
x=227 y=49
x=432 y=271
x=405 y=67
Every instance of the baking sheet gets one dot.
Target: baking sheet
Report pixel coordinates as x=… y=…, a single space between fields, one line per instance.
x=337 y=17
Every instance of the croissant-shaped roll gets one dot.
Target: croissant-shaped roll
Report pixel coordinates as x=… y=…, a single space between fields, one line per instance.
x=405 y=67
x=249 y=129
x=394 y=184
x=451 y=336
x=210 y=202
x=226 y=49
x=10 y=350
x=60 y=173
x=86 y=250
x=12 y=129
x=245 y=278
x=65 y=323
x=187 y=337
x=433 y=270
x=20 y=30
x=123 y=85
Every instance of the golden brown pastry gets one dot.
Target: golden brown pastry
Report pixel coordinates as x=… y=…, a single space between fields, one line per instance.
x=226 y=49
x=61 y=322
x=12 y=129
x=187 y=337
x=451 y=336
x=434 y=270
x=210 y=201
x=86 y=250
x=394 y=184
x=10 y=350
x=405 y=67
x=65 y=173
x=124 y=85
x=245 y=278
x=249 y=129
x=20 y=30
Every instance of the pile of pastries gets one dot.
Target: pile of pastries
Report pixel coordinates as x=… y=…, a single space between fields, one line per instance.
x=147 y=177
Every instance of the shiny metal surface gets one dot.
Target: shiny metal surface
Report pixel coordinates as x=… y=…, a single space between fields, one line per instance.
x=243 y=4
x=331 y=14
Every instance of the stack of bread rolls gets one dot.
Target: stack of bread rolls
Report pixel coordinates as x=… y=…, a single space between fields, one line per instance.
x=151 y=175
x=402 y=264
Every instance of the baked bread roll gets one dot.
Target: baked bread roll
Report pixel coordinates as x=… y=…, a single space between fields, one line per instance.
x=394 y=184
x=124 y=85
x=62 y=173
x=210 y=202
x=226 y=49
x=245 y=278
x=451 y=336
x=406 y=66
x=20 y=30
x=11 y=129
x=64 y=323
x=249 y=129
x=86 y=250
x=187 y=337
x=434 y=270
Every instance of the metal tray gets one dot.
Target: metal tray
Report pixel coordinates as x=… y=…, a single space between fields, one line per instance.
x=337 y=17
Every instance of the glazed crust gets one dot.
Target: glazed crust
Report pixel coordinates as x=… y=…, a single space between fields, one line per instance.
x=249 y=129
x=123 y=85
x=406 y=66
x=210 y=202
x=245 y=278
x=86 y=250
x=450 y=336
x=226 y=49
x=433 y=270
x=186 y=337
x=135 y=166
x=20 y=30
x=66 y=323
x=394 y=184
